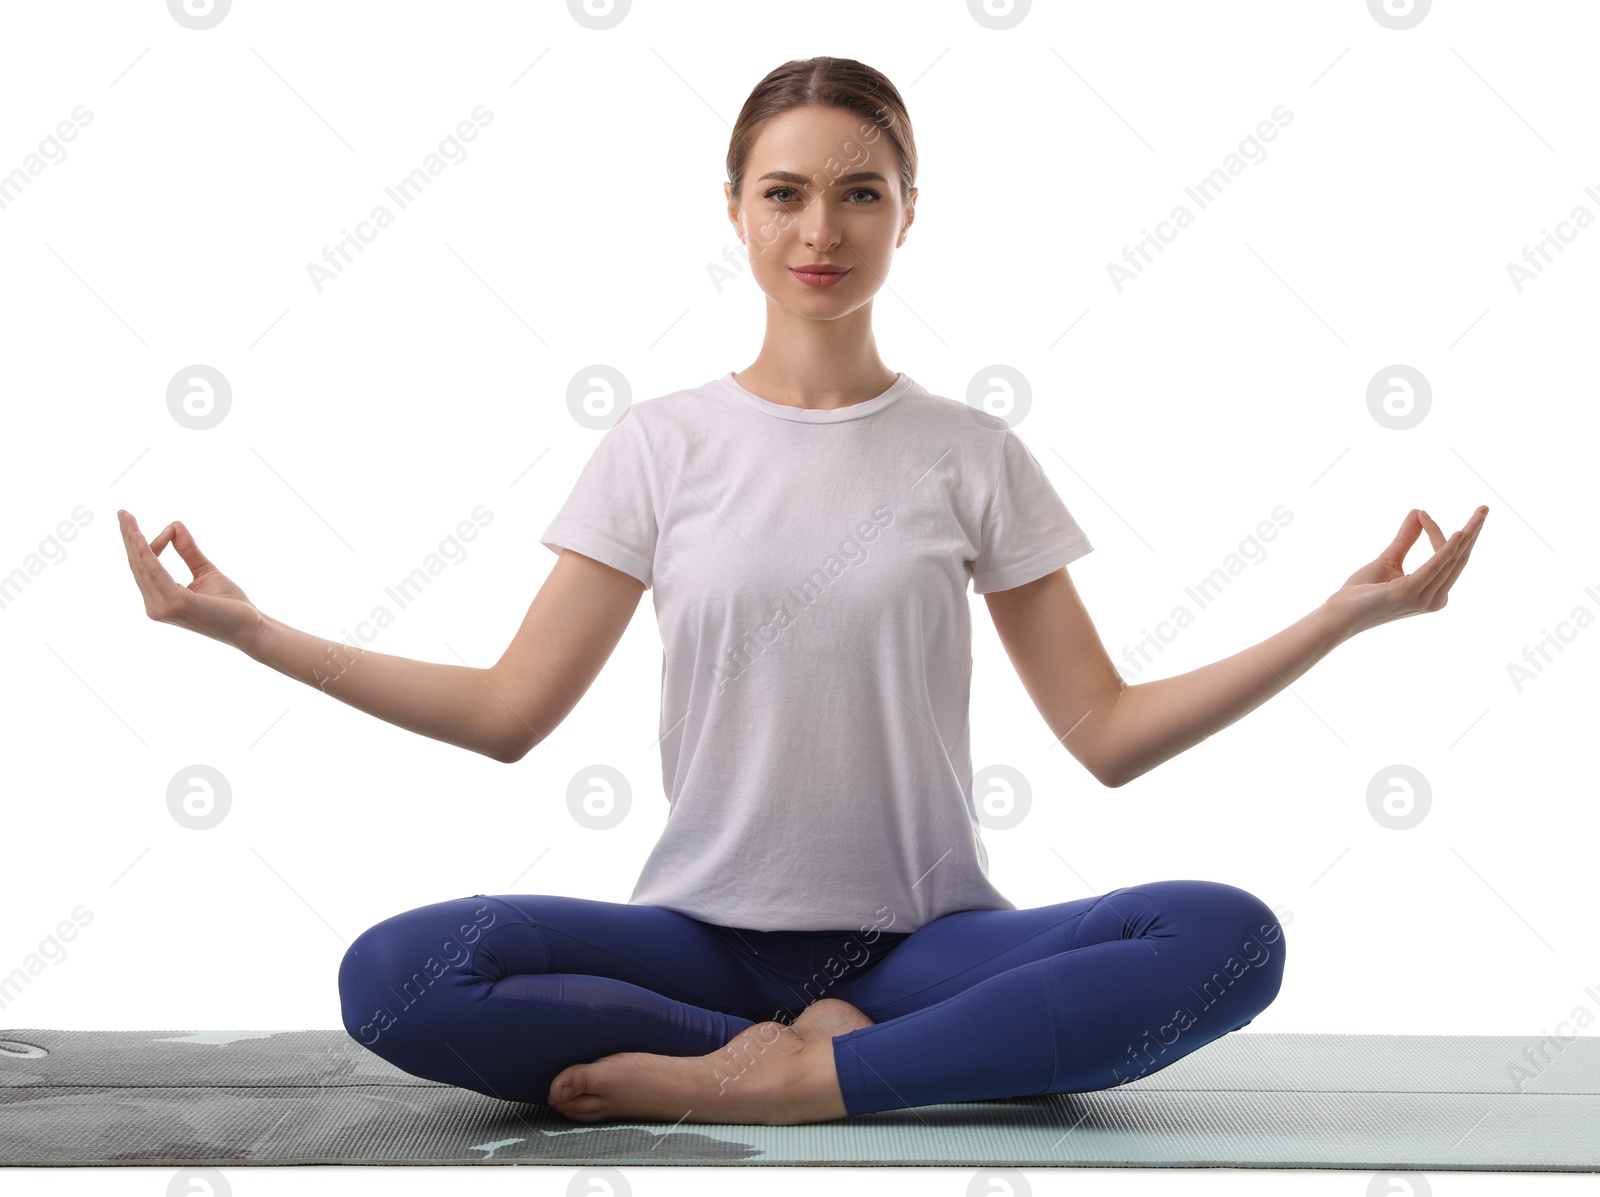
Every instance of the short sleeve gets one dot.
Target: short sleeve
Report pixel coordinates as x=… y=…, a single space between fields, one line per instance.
x=610 y=515
x=1027 y=531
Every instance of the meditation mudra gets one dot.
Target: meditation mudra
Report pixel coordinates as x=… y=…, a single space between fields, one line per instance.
x=815 y=934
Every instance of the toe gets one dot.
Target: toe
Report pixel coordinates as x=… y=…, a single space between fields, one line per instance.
x=567 y=1085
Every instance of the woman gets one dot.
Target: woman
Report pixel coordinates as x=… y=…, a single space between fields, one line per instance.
x=815 y=934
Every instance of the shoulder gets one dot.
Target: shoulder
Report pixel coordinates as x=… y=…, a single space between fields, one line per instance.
x=680 y=410
x=956 y=421
x=953 y=413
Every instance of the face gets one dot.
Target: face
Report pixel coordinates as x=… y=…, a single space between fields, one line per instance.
x=821 y=185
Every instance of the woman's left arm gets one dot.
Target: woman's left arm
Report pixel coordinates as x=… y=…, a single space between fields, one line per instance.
x=1121 y=731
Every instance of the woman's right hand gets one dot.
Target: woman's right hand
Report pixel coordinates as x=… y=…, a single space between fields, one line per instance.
x=211 y=604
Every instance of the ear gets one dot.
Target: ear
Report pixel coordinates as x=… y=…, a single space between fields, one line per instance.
x=911 y=215
x=733 y=210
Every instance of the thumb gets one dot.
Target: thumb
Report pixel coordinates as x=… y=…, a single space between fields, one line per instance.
x=1410 y=528
x=189 y=549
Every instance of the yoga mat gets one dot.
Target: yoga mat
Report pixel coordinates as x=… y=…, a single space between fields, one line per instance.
x=1247 y=1100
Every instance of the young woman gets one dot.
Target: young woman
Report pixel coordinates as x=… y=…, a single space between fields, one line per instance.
x=815 y=934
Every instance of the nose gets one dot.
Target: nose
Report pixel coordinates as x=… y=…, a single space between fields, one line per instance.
x=819 y=230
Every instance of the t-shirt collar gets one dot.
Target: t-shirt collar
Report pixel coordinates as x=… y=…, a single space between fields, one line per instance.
x=811 y=415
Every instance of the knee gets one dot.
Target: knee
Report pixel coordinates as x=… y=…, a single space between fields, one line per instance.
x=392 y=966
x=380 y=977
x=1242 y=911
x=1250 y=934
x=365 y=974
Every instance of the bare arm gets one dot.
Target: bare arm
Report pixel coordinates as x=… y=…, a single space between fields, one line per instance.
x=569 y=632
x=1063 y=665
x=1120 y=731
x=452 y=703
x=1154 y=721
x=575 y=621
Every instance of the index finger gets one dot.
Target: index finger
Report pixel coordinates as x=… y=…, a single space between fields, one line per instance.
x=147 y=571
x=1448 y=578
x=1435 y=533
x=130 y=529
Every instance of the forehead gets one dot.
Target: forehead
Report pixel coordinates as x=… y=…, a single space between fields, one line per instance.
x=809 y=136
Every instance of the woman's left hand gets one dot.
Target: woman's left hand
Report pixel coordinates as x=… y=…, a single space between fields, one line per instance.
x=1382 y=590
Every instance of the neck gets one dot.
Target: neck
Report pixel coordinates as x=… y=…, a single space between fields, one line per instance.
x=817 y=364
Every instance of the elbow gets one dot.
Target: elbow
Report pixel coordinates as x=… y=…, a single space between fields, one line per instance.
x=512 y=737
x=506 y=758
x=510 y=751
x=1114 y=769
x=1101 y=745
x=1113 y=774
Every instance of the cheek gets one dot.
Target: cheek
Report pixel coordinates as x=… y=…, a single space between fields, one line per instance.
x=879 y=247
x=766 y=232
x=766 y=256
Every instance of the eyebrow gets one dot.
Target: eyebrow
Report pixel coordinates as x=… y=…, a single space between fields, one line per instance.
x=799 y=180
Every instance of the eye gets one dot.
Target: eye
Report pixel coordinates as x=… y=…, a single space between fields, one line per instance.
x=867 y=191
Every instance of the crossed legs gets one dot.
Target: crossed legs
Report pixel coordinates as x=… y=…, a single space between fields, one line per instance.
x=610 y=1010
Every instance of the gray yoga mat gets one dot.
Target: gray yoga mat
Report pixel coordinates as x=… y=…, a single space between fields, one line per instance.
x=1421 y=1102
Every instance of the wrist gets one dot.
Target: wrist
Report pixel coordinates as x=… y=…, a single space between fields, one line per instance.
x=250 y=640
x=1338 y=621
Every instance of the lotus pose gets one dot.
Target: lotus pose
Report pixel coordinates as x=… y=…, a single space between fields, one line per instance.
x=815 y=934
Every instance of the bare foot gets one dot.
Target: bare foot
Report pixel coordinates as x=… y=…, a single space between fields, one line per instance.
x=768 y=1073
x=827 y=1017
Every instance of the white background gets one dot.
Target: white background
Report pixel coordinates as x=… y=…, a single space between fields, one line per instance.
x=431 y=376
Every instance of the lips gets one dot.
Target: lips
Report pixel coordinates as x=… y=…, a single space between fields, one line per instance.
x=819 y=269
x=819 y=278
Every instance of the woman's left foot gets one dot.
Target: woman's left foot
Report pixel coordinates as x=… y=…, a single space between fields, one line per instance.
x=827 y=1017
x=768 y=1074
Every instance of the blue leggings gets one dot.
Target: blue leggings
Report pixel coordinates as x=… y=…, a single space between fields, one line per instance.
x=499 y=994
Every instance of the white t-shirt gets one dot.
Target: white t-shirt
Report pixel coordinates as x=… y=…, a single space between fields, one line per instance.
x=810 y=571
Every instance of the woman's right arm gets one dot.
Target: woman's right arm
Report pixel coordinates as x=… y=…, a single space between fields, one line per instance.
x=569 y=632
